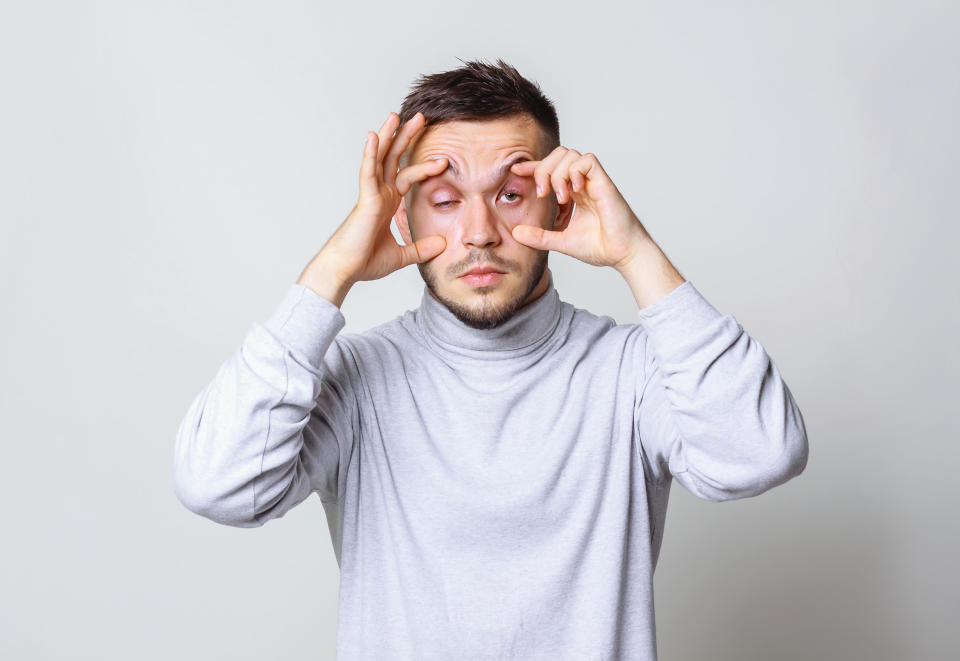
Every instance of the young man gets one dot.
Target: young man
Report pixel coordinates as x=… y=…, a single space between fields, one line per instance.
x=495 y=465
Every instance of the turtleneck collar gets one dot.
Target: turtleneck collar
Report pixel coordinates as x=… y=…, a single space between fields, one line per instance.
x=531 y=325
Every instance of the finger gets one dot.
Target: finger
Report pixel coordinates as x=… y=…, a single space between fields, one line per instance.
x=539 y=238
x=386 y=137
x=404 y=137
x=411 y=174
x=561 y=174
x=577 y=177
x=524 y=168
x=587 y=168
x=422 y=250
x=368 y=167
x=545 y=168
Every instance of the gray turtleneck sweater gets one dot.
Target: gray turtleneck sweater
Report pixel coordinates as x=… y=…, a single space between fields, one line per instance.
x=491 y=494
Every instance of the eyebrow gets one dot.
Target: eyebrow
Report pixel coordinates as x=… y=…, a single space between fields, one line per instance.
x=496 y=176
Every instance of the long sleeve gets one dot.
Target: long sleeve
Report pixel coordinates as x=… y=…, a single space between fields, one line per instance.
x=712 y=409
x=274 y=423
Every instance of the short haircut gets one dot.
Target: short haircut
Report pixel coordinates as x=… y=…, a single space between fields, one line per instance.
x=478 y=91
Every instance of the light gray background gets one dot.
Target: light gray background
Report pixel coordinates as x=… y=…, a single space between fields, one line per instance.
x=168 y=168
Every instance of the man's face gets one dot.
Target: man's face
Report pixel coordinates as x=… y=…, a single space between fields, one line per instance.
x=475 y=212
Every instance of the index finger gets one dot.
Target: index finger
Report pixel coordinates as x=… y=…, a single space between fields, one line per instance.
x=524 y=168
x=417 y=172
x=401 y=143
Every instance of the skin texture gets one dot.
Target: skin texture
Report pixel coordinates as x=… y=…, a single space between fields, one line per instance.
x=476 y=216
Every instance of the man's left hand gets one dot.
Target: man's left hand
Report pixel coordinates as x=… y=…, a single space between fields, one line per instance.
x=603 y=231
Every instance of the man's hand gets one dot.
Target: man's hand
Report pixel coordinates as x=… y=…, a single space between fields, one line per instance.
x=363 y=248
x=603 y=230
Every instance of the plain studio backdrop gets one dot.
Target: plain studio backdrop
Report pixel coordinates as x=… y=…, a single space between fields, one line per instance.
x=168 y=168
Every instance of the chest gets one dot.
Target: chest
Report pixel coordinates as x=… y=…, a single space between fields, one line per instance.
x=556 y=423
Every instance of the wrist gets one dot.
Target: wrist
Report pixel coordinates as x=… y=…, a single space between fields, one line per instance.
x=649 y=273
x=324 y=279
x=642 y=249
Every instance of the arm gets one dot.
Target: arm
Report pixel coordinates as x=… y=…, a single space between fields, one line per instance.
x=275 y=422
x=281 y=415
x=712 y=408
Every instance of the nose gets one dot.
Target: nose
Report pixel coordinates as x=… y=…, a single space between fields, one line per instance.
x=480 y=226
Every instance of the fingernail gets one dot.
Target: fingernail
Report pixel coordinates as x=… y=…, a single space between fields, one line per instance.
x=539 y=190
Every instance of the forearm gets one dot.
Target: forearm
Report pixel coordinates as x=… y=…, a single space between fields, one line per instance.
x=712 y=405
x=649 y=273
x=237 y=456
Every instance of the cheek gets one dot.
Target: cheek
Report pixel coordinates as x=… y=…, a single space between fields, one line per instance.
x=424 y=221
x=529 y=211
x=429 y=223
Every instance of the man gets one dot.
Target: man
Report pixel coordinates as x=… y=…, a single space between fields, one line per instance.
x=495 y=465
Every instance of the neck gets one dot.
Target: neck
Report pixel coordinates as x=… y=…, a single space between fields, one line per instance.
x=530 y=324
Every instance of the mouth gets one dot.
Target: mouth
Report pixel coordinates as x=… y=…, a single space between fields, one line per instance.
x=483 y=275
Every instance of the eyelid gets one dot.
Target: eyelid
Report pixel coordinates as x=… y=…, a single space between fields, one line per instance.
x=445 y=203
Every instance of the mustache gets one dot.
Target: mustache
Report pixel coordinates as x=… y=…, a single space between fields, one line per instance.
x=482 y=258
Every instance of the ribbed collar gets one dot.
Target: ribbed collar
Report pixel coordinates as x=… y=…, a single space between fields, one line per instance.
x=531 y=324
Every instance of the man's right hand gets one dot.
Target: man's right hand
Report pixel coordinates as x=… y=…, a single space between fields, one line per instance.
x=363 y=247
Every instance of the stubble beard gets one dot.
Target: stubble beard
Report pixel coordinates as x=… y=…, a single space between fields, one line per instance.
x=488 y=314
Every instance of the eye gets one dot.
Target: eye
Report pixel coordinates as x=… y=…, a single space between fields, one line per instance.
x=447 y=203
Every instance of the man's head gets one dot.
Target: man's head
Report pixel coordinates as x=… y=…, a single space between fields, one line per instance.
x=481 y=118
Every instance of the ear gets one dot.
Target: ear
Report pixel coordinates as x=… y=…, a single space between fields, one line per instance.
x=403 y=223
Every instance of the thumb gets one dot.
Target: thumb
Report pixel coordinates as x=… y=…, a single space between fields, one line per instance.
x=537 y=237
x=426 y=248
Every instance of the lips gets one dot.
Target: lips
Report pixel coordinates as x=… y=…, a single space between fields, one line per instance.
x=480 y=270
x=483 y=278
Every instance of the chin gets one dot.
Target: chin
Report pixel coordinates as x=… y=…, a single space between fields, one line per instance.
x=485 y=307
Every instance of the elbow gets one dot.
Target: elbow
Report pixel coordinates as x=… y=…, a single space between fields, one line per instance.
x=795 y=456
x=794 y=449
x=753 y=475
x=201 y=482
x=789 y=462
x=787 y=453
x=225 y=509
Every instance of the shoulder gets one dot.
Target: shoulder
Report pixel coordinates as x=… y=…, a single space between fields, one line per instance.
x=380 y=345
x=592 y=327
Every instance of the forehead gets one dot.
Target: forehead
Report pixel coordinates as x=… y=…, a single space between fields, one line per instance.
x=477 y=141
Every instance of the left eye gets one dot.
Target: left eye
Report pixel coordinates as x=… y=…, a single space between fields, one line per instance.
x=517 y=195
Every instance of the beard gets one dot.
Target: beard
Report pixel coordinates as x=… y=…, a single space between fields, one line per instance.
x=489 y=314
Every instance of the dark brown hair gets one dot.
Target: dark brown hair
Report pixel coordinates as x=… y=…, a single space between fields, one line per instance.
x=478 y=91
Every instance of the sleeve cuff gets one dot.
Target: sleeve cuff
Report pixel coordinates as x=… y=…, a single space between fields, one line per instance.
x=306 y=322
x=678 y=319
